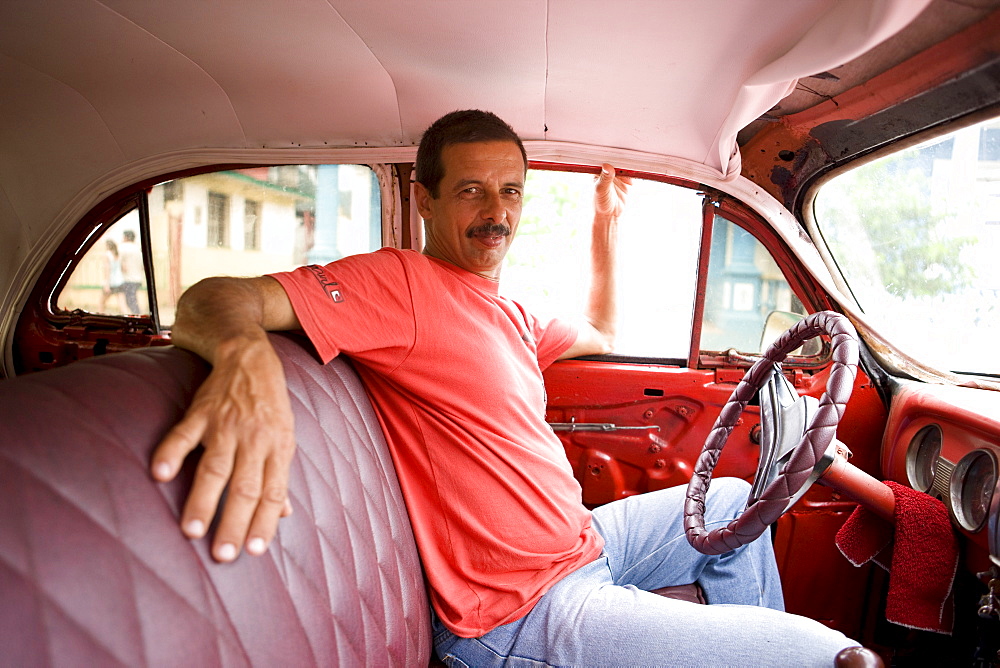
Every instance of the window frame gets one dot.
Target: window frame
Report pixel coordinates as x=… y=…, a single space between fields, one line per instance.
x=218 y=220
x=808 y=291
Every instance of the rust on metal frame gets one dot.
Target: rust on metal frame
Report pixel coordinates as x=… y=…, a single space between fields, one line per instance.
x=788 y=150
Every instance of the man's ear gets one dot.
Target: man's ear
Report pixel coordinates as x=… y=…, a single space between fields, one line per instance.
x=422 y=197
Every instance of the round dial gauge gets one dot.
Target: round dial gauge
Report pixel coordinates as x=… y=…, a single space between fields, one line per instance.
x=921 y=457
x=972 y=488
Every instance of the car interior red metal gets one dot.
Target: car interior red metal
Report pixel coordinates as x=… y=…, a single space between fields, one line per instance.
x=165 y=118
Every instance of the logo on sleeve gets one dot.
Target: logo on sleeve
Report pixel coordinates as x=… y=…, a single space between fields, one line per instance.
x=330 y=286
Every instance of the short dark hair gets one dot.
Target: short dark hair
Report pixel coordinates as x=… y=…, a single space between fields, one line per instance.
x=459 y=127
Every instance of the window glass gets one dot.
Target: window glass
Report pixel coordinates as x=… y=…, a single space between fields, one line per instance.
x=916 y=236
x=744 y=287
x=548 y=266
x=110 y=278
x=248 y=222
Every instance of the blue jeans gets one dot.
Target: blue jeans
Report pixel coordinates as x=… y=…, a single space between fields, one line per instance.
x=603 y=613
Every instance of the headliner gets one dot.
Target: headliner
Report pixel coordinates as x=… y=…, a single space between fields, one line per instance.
x=96 y=92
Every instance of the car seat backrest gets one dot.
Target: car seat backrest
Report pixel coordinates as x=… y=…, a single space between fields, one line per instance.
x=93 y=567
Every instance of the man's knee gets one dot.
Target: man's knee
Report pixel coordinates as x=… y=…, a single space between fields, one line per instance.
x=726 y=499
x=730 y=489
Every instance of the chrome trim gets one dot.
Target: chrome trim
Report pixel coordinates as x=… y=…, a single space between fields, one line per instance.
x=956 y=488
x=597 y=426
x=993 y=521
x=923 y=480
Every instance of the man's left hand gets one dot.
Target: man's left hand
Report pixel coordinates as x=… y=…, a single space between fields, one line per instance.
x=609 y=193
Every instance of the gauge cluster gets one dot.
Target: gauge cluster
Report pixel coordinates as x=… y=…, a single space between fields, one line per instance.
x=945 y=441
x=967 y=487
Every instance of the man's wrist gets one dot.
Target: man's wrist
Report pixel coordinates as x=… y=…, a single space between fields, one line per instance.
x=234 y=346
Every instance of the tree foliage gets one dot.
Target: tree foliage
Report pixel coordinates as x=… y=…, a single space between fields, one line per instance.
x=883 y=228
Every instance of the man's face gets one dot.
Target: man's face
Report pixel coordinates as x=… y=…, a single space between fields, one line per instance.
x=473 y=220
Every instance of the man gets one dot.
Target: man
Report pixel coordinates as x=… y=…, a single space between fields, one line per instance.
x=518 y=569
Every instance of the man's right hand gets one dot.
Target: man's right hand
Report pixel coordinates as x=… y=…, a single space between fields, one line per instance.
x=241 y=415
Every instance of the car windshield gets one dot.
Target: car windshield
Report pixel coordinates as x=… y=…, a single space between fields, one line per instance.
x=916 y=236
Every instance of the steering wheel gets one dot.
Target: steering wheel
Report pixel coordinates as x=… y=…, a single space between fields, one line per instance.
x=797 y=435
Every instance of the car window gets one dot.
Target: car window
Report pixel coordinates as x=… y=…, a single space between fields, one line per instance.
x=548 y=267
x=745 y=287
x=916 y=236
x=243 y=222
x=110 y=278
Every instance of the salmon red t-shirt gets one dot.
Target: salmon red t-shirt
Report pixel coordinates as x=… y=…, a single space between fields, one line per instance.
x=454 y=371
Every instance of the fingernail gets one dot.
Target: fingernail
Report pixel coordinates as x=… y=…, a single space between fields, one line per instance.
x=195 y=528
x=226 y=552
x=256 y=546
x=162 y=471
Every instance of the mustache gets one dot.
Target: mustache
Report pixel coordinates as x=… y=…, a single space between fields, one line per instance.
x=488 y=229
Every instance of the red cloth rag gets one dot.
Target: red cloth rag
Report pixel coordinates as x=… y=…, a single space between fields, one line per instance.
x=920 y=552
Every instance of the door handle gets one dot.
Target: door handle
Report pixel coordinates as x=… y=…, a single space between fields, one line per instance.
x=596 y=426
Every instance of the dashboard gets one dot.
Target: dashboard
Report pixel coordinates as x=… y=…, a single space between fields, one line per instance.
x=945 y=441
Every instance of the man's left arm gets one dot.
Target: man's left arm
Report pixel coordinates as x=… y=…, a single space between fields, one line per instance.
x=596 y=335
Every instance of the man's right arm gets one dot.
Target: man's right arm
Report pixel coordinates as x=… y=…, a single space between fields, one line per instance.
x=241 y=414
